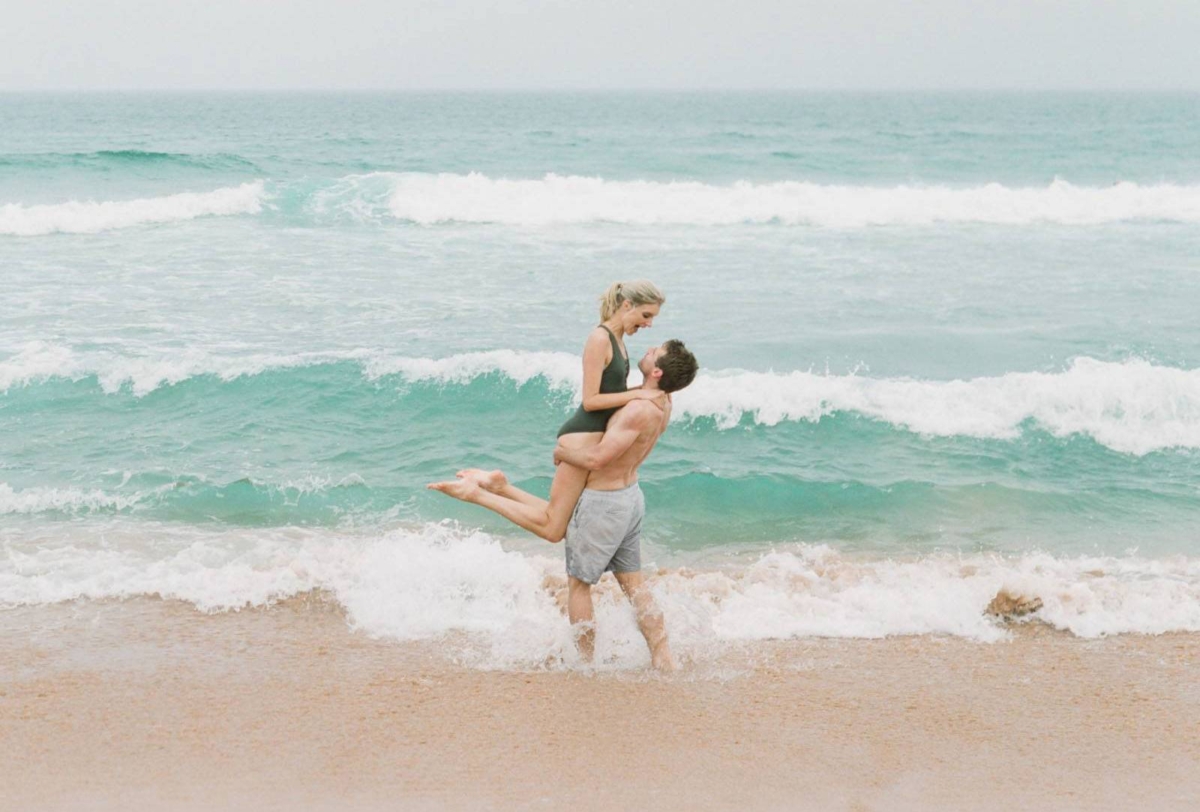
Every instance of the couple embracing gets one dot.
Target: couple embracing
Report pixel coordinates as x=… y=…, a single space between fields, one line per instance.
x=595 y=502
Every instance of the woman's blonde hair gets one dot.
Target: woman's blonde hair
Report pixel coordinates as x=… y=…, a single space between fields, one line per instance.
x=638 y=292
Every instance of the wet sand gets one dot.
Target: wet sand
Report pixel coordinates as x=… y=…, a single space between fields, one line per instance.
x=150 y=704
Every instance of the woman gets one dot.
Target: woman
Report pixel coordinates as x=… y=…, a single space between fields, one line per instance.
x=625 y=308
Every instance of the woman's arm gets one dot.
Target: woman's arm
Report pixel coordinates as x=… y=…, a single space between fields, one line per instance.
x=621 y=434
x=616 y=400
x=595 y=359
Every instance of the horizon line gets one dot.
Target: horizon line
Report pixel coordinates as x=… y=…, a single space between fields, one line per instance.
x=681 y=90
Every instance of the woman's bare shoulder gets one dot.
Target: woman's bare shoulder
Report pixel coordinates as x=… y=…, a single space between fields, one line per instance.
x=597 y=339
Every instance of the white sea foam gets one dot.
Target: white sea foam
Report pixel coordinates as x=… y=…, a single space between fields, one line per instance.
x=558 y=369
x=87 y=217
x=1131 y=406
x=421 y=583
x=29 y=501
x=39 y=361
x=63 y=500
x=557 y=199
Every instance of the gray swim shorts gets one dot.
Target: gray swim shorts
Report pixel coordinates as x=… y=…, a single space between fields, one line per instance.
x=605 y=533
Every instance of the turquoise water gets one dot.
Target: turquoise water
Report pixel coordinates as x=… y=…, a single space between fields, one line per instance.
x=929 y=324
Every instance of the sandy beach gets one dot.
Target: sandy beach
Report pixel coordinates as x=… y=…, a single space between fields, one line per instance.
x=150 y=704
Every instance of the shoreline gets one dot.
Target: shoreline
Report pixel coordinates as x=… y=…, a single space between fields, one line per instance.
x=119 y=704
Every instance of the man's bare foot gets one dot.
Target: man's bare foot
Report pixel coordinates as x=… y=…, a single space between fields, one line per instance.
x=464 y=489
x=662 y=660
x=494 y=481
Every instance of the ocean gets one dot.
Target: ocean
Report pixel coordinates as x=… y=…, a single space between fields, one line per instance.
x=948 y=348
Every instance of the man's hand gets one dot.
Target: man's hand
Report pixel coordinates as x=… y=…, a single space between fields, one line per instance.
x=558 y=449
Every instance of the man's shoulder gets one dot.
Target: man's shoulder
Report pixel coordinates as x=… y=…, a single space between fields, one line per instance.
x=641 y=411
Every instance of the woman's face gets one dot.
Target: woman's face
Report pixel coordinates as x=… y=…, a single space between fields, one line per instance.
x=635 y=317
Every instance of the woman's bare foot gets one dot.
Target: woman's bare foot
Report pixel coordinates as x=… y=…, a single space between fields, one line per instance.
x=465 y=489
x=494 y=481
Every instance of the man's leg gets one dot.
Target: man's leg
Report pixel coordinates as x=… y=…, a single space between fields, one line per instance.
x=649 y=619
x=583 y=620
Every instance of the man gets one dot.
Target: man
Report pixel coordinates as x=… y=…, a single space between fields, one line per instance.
x=604 y=533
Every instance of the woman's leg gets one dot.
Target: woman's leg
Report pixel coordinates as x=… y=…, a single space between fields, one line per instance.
x=496 y=482
x=545 y=519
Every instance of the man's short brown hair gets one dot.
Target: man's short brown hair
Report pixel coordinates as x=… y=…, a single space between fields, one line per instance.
x=678 y=366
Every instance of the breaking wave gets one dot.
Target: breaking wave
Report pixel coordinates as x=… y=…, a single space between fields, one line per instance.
x=429 y=199
x=1130 y=406
x=425 y=582
x=89 y=217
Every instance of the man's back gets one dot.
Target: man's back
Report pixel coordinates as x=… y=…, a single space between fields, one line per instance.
x=649 y=422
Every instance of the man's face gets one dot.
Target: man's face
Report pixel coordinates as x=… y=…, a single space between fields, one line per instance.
x=646 y=365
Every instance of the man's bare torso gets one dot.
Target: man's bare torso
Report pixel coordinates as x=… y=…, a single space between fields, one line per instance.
x=623 y=471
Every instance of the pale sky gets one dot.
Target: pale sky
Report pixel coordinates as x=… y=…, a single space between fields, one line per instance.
x=596 y=44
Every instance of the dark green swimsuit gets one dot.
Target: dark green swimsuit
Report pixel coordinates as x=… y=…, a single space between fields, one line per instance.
x=615 y=378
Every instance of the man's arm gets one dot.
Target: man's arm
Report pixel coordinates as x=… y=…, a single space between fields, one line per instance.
x=623 y=429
